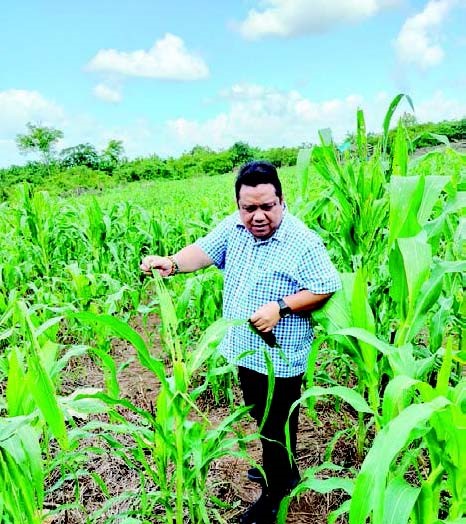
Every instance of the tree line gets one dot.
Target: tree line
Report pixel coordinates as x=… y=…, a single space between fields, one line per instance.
x=83 y=167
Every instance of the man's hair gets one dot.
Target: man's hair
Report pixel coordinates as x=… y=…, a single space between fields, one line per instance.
x=255 y=173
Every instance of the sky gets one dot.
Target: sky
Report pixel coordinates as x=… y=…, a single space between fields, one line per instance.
x=166 y=76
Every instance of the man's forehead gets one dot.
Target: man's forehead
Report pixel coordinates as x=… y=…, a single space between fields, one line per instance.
x=261 y=192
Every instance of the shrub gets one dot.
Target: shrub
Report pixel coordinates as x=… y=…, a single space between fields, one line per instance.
x=80 y=155
x=217 y=163
x=76 y=180
x=143 y=169
x=281 y=156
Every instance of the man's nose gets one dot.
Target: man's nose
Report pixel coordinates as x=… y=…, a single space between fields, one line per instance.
x=259 y=216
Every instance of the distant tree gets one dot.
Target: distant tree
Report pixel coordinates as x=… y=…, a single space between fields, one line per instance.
x=143 y=169
x=80 y=155
x=112 y=155
x=200 y=151
x=281 y=156
x=39 y=139
x=241 y=152
x=114 y=150
x=408 y=119
x=217 y=163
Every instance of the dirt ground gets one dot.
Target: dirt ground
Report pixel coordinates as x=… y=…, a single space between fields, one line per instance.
x=229 y=474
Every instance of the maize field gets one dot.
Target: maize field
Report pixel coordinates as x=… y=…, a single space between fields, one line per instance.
x=385 y=383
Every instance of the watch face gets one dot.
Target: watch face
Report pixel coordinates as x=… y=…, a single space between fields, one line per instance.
x=285 y=311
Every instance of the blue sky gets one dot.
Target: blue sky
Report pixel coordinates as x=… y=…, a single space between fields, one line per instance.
x=165 y=76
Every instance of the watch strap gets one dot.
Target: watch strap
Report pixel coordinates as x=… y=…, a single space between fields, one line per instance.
x=285 y=310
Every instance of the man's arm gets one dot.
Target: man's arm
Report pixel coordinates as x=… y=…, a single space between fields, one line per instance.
x=305 y=300
x=190 y=258
x=268 y=316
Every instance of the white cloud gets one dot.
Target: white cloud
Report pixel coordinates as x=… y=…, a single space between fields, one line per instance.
x=167 y=59
x=417 y=42
x=107 y=94
x=439 y=107
x=288 y=18
x=268 y=117
x=19 y=106
x=259 y=115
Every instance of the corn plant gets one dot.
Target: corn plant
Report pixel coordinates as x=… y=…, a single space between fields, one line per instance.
x=181 y=441
x=412 y=413
x=34 y=413
x=21 y=471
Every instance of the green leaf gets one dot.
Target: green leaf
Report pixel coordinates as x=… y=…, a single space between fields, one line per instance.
x=369 y=492
x=429 y=294
x=361 y=138
x=405 y=195
x=302 y=170
x=443 y=139
x=39 y=383
x=417 y=258
x=207 y=345
x=363 y=318
x=400 y=498
x=326 y=136
x=434 y=184
x=125 y=332
x=400 y=152
x=389 y=114
x=349 y=395
x=396 y=397
x=369 y=338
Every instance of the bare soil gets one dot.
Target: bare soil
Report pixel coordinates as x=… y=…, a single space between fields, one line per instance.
x=228 y=475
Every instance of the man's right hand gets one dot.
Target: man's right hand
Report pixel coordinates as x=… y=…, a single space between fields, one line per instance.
x=161 y=264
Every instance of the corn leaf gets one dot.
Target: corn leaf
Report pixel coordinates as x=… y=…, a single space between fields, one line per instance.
x=405 y=195
x=302 y=170
x=349 y=395
x=389 y=114
x=361 y=138
x=434 y=184
x=396 y=397
x=40 y=384
x=400 y=152
x=400 y=498
x=209 y=342
x=371 y=483
x=124 y=331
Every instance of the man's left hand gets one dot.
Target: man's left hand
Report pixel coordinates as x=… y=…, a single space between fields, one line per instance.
x=266 y=317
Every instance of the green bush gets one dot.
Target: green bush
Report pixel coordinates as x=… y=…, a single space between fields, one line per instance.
x=241 y=152
x=80 y=155
x=281 y=156
x=76 y=180
x=217 y=163
x=143 y=169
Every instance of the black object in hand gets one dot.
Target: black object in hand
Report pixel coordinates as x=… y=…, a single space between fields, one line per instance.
x=267 y=336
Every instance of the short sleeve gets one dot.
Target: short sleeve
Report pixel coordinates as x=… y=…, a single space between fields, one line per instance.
x=214 y=244
x=316 y=273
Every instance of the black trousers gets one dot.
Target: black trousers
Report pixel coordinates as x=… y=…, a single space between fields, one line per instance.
x=275 y=460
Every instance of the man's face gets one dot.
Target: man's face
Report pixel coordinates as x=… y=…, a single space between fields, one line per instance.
x=260 y=209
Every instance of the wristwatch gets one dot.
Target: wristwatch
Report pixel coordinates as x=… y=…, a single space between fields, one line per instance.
x=285 y=311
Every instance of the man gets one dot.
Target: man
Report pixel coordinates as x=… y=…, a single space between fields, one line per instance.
x=276 y=271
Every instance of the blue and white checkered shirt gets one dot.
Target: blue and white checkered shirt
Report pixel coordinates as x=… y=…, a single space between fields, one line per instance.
x=260 y=271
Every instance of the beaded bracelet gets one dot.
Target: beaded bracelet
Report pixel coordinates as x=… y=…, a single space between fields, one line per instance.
x=174 y=269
